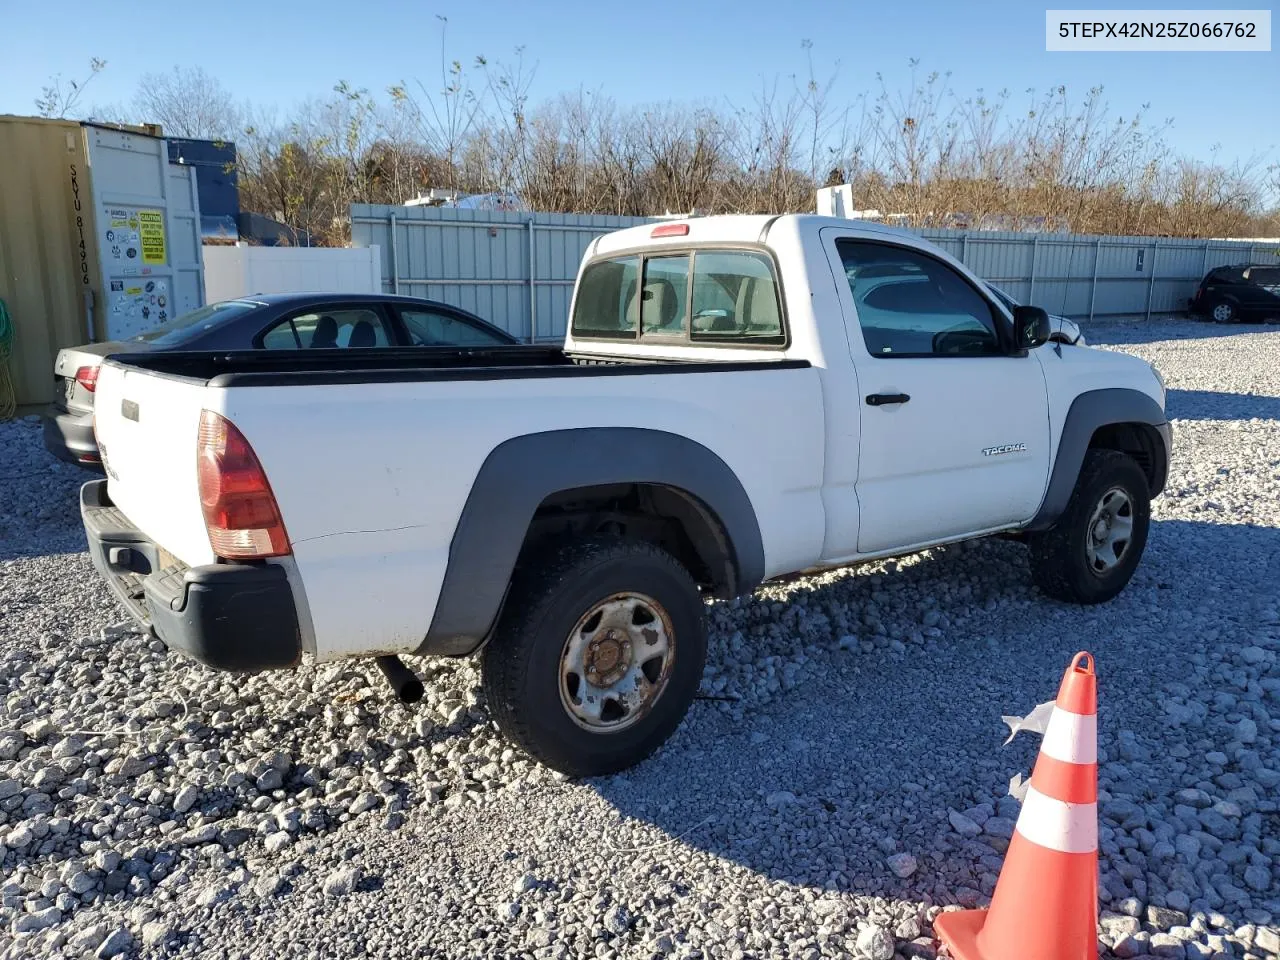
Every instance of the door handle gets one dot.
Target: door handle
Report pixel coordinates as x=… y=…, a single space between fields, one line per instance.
x=880 y=399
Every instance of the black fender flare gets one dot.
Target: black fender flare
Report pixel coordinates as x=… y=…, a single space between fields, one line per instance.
x=520 y=473
x=1088 y=412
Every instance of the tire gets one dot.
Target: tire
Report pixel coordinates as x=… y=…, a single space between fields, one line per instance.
x=1223 y=311
x=644 y=599
x=1063 y=565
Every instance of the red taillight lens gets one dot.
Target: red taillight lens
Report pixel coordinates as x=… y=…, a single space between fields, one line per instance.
x=671 y=230
x=87 y=377
x=240 y=510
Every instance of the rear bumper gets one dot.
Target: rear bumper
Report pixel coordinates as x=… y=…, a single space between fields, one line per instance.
x=69 y=437
x=230 y=616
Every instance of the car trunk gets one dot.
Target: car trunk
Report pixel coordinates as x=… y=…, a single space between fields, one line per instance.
x=72 y=397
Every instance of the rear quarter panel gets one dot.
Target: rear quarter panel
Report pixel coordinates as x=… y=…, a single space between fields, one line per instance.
x=371 y=478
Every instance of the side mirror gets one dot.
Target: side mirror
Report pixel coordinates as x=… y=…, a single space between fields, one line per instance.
x=1030 y=327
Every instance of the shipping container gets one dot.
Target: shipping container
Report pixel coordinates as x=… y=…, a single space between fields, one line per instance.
x=99 y=240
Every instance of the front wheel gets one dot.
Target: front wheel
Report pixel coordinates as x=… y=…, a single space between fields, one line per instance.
x=597 y=656
x=1090 y=554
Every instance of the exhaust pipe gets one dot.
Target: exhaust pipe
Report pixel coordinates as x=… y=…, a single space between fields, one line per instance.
x=408 y=688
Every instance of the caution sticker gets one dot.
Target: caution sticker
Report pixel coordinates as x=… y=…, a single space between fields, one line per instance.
x=151 y=227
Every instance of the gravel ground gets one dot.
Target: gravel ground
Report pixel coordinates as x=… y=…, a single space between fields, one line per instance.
x=848 y=784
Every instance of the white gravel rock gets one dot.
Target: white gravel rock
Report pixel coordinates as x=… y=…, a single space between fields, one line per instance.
x=156 y=932
x=186 y=798
x=963 y=825
x=37 y=920
x=342 y=882
x=903 y=865
x=275 y=842
x=88 y=939
x=875 y=943
x=117 y=942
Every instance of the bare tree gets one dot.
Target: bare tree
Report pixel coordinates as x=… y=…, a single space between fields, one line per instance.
x=187 y=102
x=447 y=117
x=58 y=98
x=1061 y=159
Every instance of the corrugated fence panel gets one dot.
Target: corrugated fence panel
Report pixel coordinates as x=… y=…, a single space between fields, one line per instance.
x=484 y=260
x=517 y=269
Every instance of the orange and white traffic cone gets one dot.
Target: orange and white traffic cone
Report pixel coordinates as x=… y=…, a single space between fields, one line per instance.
x=1045 y=905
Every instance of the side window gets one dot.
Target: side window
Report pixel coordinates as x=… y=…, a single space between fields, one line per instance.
x=910 y=304
x=283 y=336
x=663 y=311
x=608 y=300
x=735 y=298
x=329 y=329
x=428 y=328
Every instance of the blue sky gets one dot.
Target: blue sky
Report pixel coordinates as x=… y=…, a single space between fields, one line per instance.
x=282 y=51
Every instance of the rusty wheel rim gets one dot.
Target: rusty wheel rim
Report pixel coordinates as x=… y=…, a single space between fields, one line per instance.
x=616 y=662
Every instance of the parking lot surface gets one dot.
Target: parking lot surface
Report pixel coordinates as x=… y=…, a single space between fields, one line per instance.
x=842 y=779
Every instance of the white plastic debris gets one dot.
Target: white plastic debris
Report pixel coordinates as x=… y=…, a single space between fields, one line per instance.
x=1037 y=721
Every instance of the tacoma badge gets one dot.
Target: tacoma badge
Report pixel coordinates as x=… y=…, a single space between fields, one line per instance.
x=1004 y=448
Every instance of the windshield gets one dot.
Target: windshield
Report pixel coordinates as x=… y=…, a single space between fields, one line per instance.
x=192 y=324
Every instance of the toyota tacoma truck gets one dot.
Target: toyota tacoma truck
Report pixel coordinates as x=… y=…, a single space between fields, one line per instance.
x=736 y=399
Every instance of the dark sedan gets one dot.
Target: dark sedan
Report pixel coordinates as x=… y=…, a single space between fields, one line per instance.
x=291 y=321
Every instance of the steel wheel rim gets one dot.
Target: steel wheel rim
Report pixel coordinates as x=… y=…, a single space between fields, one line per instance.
x=1222 y=312
x=616 y=662
x=1110 y=531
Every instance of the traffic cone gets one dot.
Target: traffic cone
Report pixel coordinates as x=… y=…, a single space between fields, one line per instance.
x=1045 y=905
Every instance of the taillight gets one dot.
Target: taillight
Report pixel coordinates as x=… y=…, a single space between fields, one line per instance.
x=240 y=510
x=87 y=377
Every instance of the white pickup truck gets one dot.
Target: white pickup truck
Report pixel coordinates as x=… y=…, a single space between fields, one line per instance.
x=737 y=399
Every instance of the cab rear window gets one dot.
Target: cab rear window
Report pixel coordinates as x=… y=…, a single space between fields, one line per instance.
x=607 y=304
x=726 y=297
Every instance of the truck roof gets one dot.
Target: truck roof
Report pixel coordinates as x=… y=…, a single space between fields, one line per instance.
x=736 y=228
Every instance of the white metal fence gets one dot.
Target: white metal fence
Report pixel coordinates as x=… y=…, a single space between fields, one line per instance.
x=238 y=271
x=1091 y=277
x=517 y=269
x=514 y=269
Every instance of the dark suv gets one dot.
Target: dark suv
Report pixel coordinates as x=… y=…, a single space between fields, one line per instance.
x=1240 y=292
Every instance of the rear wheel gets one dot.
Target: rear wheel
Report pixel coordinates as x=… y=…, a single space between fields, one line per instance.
x=1090 y=554
x=1223 y=311
x=597 y=657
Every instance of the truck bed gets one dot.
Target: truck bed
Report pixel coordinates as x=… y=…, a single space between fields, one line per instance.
x=372 y=456
x=262 y=368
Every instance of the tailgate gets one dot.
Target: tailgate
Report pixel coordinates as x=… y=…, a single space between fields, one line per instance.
x=147 y=425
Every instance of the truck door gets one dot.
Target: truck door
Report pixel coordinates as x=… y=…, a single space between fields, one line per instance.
x=955 y=426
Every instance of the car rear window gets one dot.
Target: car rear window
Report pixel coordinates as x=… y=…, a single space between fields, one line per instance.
x=195 y=322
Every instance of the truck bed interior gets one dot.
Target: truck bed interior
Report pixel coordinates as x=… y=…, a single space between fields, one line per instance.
x=262 y=368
